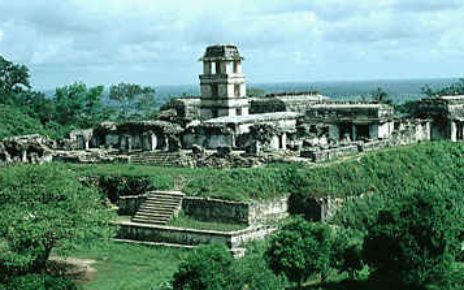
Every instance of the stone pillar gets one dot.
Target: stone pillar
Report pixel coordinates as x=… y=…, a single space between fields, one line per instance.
x=334 y=132
x=154 y=142
x=87 y=145
x=354 y=133
x=24 y=155
x=166 y=143
x=146 y=146
x=129 y=143
x=453 y=131
x=122 y=142
x=284 y=141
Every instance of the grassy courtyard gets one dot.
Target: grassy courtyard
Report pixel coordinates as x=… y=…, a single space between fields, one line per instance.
x=127 y=266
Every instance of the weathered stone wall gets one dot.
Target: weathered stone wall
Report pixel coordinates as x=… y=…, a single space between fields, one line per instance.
x=216 y=210
x=166 y=234
x=270 y=211
x=129 y=205
x=208 y=141
x=236 y=212
x=318 y=155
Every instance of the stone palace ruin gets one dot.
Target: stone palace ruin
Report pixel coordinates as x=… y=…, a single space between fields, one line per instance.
x=224 y=128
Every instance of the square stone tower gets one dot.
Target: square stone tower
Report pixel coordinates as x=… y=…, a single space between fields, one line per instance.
x=223 y=88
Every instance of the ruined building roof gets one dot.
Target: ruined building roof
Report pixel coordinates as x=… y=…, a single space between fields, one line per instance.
x=221 y=52
x=255 y=118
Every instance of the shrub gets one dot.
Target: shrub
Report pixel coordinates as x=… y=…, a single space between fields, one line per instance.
x=253 y=272
x=39 y=282
x=116 y=186
x=417 y=236
x=207 y=267
x=300 y=249
x=346 y=252
x=42 y=206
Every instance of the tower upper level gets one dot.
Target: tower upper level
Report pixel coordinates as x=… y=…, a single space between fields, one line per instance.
x=222 y=59
x=223 y=86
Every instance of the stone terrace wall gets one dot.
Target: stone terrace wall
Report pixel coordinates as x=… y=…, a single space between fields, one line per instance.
x=235 y=212
x=129 y=205
x=268 y=211
x=219 y=210
x=317 y=155
x=166 y=234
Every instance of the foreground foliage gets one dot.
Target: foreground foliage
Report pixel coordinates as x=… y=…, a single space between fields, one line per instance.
x=299 y=250
x=420 y=235
x=213 y=267
x=43 y=207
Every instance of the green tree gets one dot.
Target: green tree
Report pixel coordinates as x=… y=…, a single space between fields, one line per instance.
x=380 y=96
x=346 y=252
x=42 y=207
x=78 y=105
x=14 y=78
x=135 y=101
x=207 y=267
x=299 y=250
x=451 y=90
x=417 y=237
x=253 y=272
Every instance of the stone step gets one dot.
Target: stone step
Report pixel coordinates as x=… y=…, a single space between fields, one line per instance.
x=159 y=203
x=158 y=208
x=172 y=245
x=154 y=215
x=168 y=192
x=149 y=221
x=163 y=199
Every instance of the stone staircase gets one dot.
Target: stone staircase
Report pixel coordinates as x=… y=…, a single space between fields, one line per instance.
x=159 y=207
x=161 y=159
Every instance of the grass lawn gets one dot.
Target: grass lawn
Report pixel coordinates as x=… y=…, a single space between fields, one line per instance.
x=373 y=172
x=126 y=266
x=183 y=221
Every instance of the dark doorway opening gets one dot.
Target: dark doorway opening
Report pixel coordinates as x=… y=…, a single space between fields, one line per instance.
x=362 y=132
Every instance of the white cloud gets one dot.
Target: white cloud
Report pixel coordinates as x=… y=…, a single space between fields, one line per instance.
x=67 y=40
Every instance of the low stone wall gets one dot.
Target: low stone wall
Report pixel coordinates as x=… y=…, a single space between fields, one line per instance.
x=129 y=205
x=269 y=211
x=317 y=155
x=206 y=209
x=235 y=212
x=374 y=145
x=167 y=234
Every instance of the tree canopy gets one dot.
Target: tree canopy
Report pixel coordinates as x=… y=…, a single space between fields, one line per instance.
x=43 y=207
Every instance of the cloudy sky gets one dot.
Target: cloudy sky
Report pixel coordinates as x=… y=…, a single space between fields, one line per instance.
x=156 y=42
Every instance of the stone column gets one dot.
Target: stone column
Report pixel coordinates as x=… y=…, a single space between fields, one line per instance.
x=122 y=142
x=87 y=145
x=154 y=142
x=24 y=155
x=284 y=141
x=453 y=131
x=354 y=135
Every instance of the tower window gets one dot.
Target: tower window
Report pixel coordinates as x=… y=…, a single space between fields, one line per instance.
x=238 y=111
x=213 y=68
x=218 y=67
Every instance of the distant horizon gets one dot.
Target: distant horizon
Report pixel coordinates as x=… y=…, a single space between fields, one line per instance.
x=271 y=83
